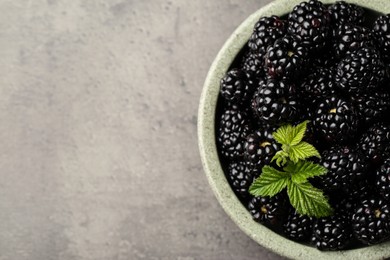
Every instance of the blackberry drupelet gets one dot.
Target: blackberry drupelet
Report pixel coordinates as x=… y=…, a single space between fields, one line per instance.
x=232 y=131
x=349 y=38
x=375 y=143
x=236 y=86
x=371 y=221
x=331 y=233
x=371 y=107
x=252 y=63
x=241 y=174
x=383 y=180
x=268 y=210
x=275 y=102
x=345 y=168
x=311 y=21
x=265 y=32
x=260 y=147
x=335 y=120
x=342 y=13
x=286 y=58
x=360 y=71
x=381 y=32
x=298 y=227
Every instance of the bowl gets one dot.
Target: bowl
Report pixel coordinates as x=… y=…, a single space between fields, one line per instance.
x=211 y=162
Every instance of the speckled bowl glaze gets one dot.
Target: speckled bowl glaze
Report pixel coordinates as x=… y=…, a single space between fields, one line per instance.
x=212 y=165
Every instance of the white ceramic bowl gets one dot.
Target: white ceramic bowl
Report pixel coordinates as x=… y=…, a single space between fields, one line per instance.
x=212 y=165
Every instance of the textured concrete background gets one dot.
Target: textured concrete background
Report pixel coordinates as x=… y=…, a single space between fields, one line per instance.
x=98 y=153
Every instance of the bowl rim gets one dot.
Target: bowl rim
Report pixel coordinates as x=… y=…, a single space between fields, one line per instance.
x=209 y=156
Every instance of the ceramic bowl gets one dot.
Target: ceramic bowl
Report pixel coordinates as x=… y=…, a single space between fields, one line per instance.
x=211 y=162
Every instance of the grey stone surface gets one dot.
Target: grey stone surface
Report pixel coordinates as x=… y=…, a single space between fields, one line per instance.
x=98 y=111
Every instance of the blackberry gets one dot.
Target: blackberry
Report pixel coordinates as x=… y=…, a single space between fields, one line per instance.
x=311 y=21
x=236 y=86
x=381 y=32
x=371 y=107
x=318 y=84
x=342 y=13
x=331 y=233
x=383 y=180
x=345 y=167
x=253 y=64
x=241 y=174
x=268 y=210
x=265 y=32
x=349 y=38
x=335 y=120
x=285 y=58
x=233 y=129
x=298 y=227
x=375 y=143
x=371 y=220
x=362 y=70
x=260 y=147
x=275 y=102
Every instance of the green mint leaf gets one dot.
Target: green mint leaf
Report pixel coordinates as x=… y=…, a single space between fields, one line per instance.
x=308 y=200
x=302 y=151
x=290 y=135
x=303 y=170
x=270 y=182
x=298 y=132
x=283 y=134
x=281 y=158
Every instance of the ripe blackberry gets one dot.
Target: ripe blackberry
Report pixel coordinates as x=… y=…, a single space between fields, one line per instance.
x=298 y=227
x=375 y=143
x=360 y=71
x=342 y=13
x=331 y=233
x=381 y=32
x=233 y=129
x=285 y=58
x=335 y=120
x=268 y=209
x=345 y=167
x=383 y=180
x=253 y=64
x=265 y=32
x=275 y=102
x=318 y=84
x=241 y=174
x=236 y=86
x=311 y=21
x=371 y=221
x=260 y=147
x=349 y=38
x=371 y=107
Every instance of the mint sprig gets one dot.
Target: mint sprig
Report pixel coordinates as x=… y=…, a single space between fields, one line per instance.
x=290 y=137
x=304 y=197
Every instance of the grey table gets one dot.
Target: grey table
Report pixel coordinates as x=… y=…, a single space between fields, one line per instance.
x=98 y=152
